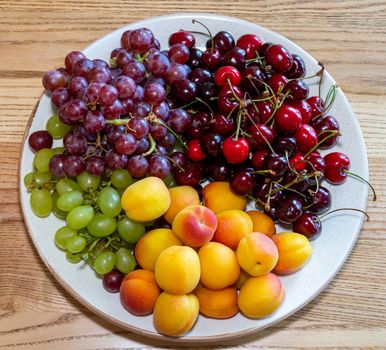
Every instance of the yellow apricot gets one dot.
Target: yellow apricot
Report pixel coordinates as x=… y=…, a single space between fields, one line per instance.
x=262 y=223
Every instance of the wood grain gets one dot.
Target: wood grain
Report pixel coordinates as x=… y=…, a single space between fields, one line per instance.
x=348 y=36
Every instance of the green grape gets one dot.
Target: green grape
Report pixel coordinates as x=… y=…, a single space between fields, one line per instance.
x=42 y=160
x=70 y=200
x=55 y=210
x=121 y=179
x=67 y=185
x=80 y=217
x=75 y=244
x=58 y=150
x=101 y=225
x=104 y=262
x=41 y=202
x=28 y=179
x=124 y=261
x=62 y=235
x=109 y=202
x=169 y=181
x=87 y=181
x=73 y=258
x=56 y=128
x=130 y=231
x=42 y=178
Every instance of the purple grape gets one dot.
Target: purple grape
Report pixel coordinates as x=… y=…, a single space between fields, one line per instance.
x=123 y=58
x=142 y=109
x=77 y=84
x=142 y=146
x=159 y=166
x=100 y=63
x=74 y=165
x=125 y=42
x=158 y=80
x=178 y=160
x=138 y=94
x=114 y=111
x=53 y=80
x=83 y=68
x=107 y=95
x=139 y=127
x=161 y=110
x=115 y=161
x=76 y=110
x=158 y=131
x=156 y=44
x=159 y=149
x=168 y=141
x=176 y=72
x=127 y=106
x=81 y=130
x=72 y=59
x=126 y=144
x=141 y=40
x=92 y=92
x=95 y=165
x=135 y=70
x=63 y=115
x=154 y=94
x=75 y=143
x=115 y=73
x=179 y=120
x=94 y=121
x=116 y=51
x=158 y=64
x=137 y=166
x=57 y=165
x=125 y=86
x=59 y=97
x=99 y=75
x=40 y=139
x=113 y=132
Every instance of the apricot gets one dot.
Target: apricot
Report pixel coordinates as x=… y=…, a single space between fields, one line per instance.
x=146 y=199
x=174 y=315
x=180 y=197
x=232 y=225
x=139 y=292
x=177 y=270
x=195 y=225
x=261 y=296
x=262 y=223
x=219 y=266
x=257 y=254
x=218 y=196
x=151 y=244
x=294 y=251
x=217 y=303
x=242 y=279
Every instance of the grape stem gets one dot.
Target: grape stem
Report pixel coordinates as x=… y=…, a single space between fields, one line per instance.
x=151 y=148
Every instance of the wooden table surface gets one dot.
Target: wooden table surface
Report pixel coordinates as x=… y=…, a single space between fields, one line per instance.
x=348 y=36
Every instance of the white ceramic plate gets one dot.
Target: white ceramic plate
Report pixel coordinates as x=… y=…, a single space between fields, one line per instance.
x=331 y=249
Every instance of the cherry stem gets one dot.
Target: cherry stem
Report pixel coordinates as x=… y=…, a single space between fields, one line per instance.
x=321 y=79
x=343 y=209
x=160 y=121
x=364 y=180
x=233 y=91
x=151 y=148
x=289 y=165
x=238 y=125
x=268 y=171
x=206 y=104
x=194 y=21
x=329 y=101
x=195 y=32
x=332 y=133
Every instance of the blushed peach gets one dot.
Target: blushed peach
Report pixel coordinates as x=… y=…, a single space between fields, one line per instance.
x=181 y=197
x=217 y=303
x=262 y=223
x=257 y=254
x=261 y=296
x=232 y=225
x=139 y=292
x=294 y=251
x=218 y=196
x=174 y=315
x=195 y=225
x=151 y=244
x=219 y=266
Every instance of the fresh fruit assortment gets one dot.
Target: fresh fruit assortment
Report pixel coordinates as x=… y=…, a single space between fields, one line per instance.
x=142 y=135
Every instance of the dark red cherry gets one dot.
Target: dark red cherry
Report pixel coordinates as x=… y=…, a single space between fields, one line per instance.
x=262 y=134
x=258 y=159
x=269 y=193
x=298 y=69
x=211 y=143
x=265 y=110
x=194 y=60
x=178 y=160
x=223 y=41
x=253 y=79
x=336 y=164
x=306 y=138
x=277 y=82
x=263 y=49
x=285 y=145
x=250 y=43
x=243 y=182
x=208 y=91
x=276 y=163
x=210 y=59
x=308 y=225
x=279 y=58
x=320 y=200
x=182 y=37
x=200 y=76
x=315 y=162
x=287 y=119
x=317 y=105
x=298 y=90
x=190 y=175
x=227 y=101
x=219 y=170
x=222 y=125
x=290 y=209
x=322 y=126
x=235 y=58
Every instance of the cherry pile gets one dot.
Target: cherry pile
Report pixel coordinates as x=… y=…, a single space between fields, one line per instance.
x=237 y=111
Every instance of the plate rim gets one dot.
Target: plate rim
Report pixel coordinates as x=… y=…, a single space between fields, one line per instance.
x=190 y=339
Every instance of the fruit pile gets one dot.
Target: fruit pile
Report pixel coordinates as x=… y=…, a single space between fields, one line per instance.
x=237 y=113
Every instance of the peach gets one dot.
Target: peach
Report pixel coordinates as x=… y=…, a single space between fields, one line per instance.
x=181 y=197
x=218 y=196
x=139 y=292
x=232 y=225
x=262 y=223
x=195 y=225
x=177 y=270
x=242 y=279
x=219 y=266
x=146 y=199
x=294 y=251
x=261 y=296
x=174 y=315
x=151 y=244
x=257 y=254
x=217 y=303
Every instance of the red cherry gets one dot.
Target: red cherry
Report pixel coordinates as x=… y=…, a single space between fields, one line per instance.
x=258 y=159
x=279 y=58
x=227 y=75
x=306 y=138
x=297 y=162
x=304 y=108
x=235 y=151
x=316 y=162
x=250 y=43
x=222 y=125
x=210 y=59
x=195 y=151
x=317 y=105
x=262 y=134
x=323 y=127
x=307 y=225
x=227 y=100
x=277 y=82
x=287 y=119
x=336 y=164
x=265 y=110
x=182 y=37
